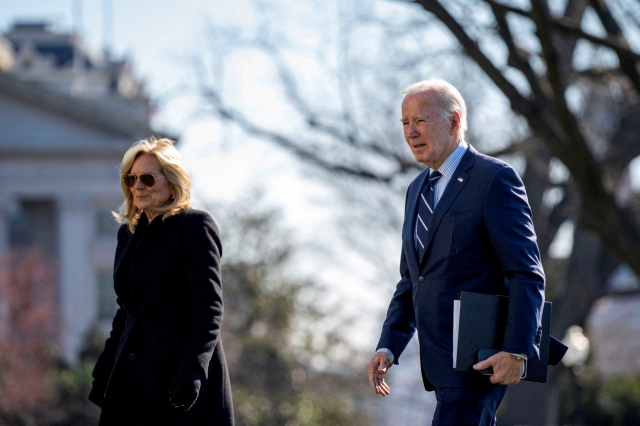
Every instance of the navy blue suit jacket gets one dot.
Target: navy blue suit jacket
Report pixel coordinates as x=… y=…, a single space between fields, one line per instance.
x=481 y=239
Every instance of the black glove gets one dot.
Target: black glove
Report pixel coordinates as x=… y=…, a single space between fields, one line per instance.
x=185 y=388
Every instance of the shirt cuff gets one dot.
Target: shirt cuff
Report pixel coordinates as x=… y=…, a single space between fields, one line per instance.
x=388 y=352
x=519 y=356
x=525 y=358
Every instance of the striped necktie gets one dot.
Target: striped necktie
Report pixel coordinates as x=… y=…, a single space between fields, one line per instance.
x=425 y=211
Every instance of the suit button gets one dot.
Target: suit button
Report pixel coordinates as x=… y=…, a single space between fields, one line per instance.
x=132 y=356
x=421 y=279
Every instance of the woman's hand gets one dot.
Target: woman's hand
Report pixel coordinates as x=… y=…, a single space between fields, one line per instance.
x=185 y=388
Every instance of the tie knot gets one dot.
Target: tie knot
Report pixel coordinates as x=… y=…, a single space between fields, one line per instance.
x=434 y=176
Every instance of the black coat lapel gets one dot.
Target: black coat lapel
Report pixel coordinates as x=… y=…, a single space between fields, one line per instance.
x=455 y=185
x=122 y=251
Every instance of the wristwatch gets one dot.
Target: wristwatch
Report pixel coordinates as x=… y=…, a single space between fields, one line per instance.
x=524 y=358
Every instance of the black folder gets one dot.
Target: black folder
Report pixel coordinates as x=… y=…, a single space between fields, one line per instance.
x=481 y=325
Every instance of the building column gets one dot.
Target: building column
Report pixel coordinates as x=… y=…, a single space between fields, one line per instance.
x=77 y=281
x=7 y=208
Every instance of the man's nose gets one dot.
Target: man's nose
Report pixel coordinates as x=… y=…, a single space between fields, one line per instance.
x=412 y=131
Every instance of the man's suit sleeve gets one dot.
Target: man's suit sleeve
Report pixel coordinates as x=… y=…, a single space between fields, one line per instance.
x=509 y=224
x=399 y=326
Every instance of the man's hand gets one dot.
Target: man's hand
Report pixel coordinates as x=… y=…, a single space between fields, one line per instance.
x=377 y=368
x=507 y=368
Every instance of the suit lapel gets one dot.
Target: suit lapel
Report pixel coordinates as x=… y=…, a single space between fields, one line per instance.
x=412 y=212
x=453 y=189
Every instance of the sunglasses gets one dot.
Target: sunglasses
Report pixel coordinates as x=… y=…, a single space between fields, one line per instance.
x=147 y=179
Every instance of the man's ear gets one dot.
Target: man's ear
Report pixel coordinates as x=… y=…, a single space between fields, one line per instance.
x=455 y=119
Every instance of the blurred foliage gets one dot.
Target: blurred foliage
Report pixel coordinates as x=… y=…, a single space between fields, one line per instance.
x=591 y=400
x=73 y=383
x=269 y=344
x=67 y=404
x=28 y=325
x=36 y=387
x=555 y=271
x=621 y=399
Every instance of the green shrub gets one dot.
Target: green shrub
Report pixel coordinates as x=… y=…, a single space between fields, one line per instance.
x=596 y=401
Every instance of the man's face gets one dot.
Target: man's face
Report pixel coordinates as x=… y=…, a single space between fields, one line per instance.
x=430 y=136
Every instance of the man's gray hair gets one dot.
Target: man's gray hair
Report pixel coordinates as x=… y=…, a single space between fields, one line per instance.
x=443 y=96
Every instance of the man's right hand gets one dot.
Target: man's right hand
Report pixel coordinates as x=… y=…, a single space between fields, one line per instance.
x=377 y=368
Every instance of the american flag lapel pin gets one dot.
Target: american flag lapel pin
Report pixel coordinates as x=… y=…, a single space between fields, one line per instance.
x=460 y=179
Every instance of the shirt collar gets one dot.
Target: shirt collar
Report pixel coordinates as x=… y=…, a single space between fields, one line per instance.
x=449 y=165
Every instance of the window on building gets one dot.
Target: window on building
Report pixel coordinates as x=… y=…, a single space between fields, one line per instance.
x=35 y=224
x=107 y=225
x=107 y=305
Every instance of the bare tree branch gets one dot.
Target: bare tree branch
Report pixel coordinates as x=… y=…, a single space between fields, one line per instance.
x=627 y=64
x=295 y=147
x=603 y=228
x=559 y=131
x=568 y=26
x=516 y=59
x=346 y=133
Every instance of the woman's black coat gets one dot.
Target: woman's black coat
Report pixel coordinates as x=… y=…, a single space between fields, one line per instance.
x=169 y=317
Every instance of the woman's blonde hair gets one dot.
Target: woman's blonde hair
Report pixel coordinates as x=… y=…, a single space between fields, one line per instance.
x=172 y=168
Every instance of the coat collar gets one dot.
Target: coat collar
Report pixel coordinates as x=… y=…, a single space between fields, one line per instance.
x=142 y=223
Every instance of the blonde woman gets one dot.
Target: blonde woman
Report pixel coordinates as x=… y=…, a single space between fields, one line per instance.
x=163 y=363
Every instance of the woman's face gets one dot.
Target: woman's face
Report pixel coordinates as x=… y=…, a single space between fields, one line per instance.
x=149 y=198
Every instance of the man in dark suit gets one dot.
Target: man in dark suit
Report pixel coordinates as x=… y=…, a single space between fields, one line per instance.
x=467 y=227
